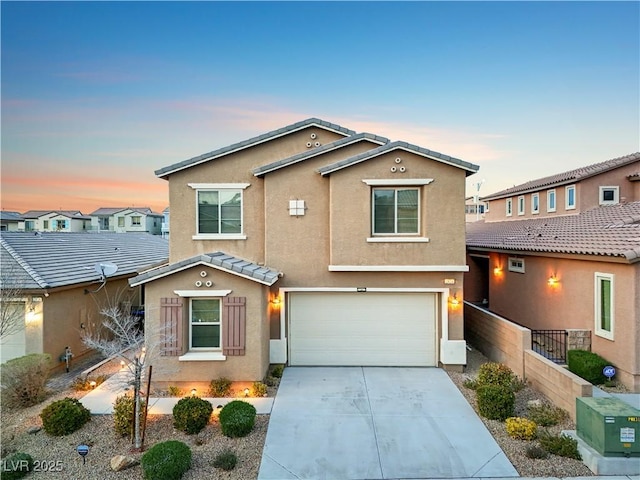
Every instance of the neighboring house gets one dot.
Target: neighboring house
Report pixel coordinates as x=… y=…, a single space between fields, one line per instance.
x=165 y=223
x=576 y=269
x=52 y=280
x=474 y=209
x=55 y=221
x=310 y=245
x=126 y=220
x=10 y=221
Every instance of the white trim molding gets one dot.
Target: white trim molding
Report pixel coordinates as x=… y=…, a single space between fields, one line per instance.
x=218 y=186
x=382 y=182
x=202 y=293
x=398 y=268
x=398 y=239
x=202 y=357
x=219 y=236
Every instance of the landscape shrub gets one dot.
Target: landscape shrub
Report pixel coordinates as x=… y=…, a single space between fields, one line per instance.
x=220 y=387
x=536 y=452
x=225 y=460
x=16 y=466
x=521 y=428
x=258 y=389
x=166 y=461
x=64 y=417
x=175 y=391
x=237 y=418
x=546 y=415
x=24 y=380
x=561 y=445
x=495 y=402
x=492 y=373
x=123 y=409
x=587 y=365
x=83 y=384
x=191 y=414
x=277 y=371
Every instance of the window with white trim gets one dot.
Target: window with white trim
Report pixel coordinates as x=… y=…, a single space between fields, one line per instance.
x=551 y=200
x=509 y=207
x=521 y=205
x=609 y=195
x=535 y=203
x=121 y=222
x=395 y=211
x=205 y=323
x=604 y=305
x=570 y=197
x=136 y=220
x=219 y=210
x=516 y=265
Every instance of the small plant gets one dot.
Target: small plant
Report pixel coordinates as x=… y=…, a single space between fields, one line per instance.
x=191 y=414
x=83 y=384
x=166 y=461
x=536 y=452
x=225 y=460
x=24 y=380
x=521 y=428
x=470 y=383
x=64 y=417
x=258 y=389
x=123 y=409
x=495 y=402
x=220 y=387
x=277 y=371
x=237 y=418
x=587 y=365
x=16 y=466
x=561 y=445
x=492 y=373
x=175 y=391
x=546 y=415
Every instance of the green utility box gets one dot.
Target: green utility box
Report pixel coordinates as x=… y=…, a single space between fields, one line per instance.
x=609 y=426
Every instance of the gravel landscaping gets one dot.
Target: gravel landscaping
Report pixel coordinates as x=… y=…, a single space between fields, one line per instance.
x=59 y=453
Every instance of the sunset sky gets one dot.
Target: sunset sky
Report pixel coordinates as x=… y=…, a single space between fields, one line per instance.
x=98 y=95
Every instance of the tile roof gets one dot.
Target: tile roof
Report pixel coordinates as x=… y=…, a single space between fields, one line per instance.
x=566 y=177
x=163 y=172
x=612 y=230
x=7 y=215
x=49 y=260
x=347 y=162
x=64 y=213
x=300 y=157
x=218 y=260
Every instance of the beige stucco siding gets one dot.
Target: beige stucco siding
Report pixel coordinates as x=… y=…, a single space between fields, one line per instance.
x=251 y=366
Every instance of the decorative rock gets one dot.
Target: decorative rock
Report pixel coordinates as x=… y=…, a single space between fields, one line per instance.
x=34 y=430
x=122 y=462
x=534 y=403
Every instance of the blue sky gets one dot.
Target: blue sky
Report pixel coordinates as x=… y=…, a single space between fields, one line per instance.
x=98 y=95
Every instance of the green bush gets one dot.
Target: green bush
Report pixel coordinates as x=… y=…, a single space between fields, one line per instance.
x=258 y=389
x=24 y=380
x=546 y=415
x=175 y=391
x=587 y=365
x=64 y=417
x=495 y=402
x=220 y=387
x=166 y=461
x=123 y=409
x=492 y=373
x=277 y=371
x=536 y=452
x=237 y=418
x=561 y=445
x=225 y=460
x=191 y=414
x=16 y=466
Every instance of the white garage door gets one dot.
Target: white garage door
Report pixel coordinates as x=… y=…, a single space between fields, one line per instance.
x=369 y=328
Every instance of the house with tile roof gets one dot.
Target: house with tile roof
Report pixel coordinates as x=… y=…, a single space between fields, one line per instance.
x=575 y=269
x=54 y=283
x=10 y=221
x=126 y=220
x=55 y=221
x=311 y=244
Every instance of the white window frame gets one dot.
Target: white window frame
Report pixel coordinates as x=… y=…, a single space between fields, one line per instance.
x=535 y=203
x=191 y=324
x=198 y=187
x=567 y=205
x=396 y=234
x=516 y=264
x=134 y=222
x=509 y=207
x=521 y=204
x=616 y=195
x=599 y=277
x=551 y=194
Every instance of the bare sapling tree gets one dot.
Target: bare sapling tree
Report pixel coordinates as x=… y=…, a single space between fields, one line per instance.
x=120 y=335
x=12 y=303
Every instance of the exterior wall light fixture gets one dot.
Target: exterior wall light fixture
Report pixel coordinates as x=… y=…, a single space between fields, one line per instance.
x=553 y=281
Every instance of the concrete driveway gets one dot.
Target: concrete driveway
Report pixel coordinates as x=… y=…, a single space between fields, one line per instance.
x=376 y=423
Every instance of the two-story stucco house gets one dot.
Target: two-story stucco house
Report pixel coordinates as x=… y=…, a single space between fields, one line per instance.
x=126 y=220
x=311 y=245
x=563 y=253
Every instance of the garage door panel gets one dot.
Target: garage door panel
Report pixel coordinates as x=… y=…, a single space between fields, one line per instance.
x=392 y=329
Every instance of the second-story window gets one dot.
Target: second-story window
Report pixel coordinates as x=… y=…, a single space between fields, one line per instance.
x=395 y=211
x=609 y=195
x=219 y=211
x=551 y=201
x=509 y=207
x=535 y=203
x=521 y=205
x=570 y=197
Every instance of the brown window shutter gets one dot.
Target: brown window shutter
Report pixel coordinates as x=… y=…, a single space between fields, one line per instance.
x=171 y=323
x=233 y=325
